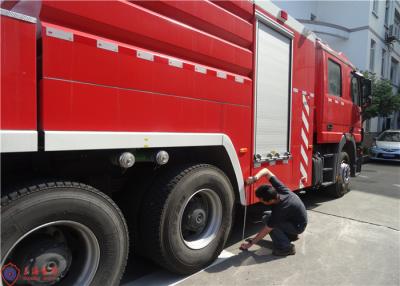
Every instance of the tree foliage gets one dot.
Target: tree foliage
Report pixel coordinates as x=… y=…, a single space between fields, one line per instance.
x=384 y=101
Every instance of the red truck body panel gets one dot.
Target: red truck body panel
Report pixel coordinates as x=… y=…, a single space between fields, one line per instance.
x=18 y=75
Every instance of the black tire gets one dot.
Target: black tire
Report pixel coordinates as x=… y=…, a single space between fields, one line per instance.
x=341 y=186
x=163 y=209
x=33 y=207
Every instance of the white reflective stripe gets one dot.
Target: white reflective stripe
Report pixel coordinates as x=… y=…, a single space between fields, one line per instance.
x=18 y=141
x=312 y=94
x=301 y=184
x=175 y=63
x=221 y=74
x=304 y=137
x=145 y=56
x=306 y=107
x=305 y=122
x=91 y=140
x=304 y=92
x=239 y=79
x=336 y=101
x=341 y=103
x=107 y=46
x=59 y=34
x=295 y=90
x=200 y=69
x=304 y=155
x=329 y=99
x=303 y=171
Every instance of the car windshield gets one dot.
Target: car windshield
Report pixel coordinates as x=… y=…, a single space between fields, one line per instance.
x=390 y=137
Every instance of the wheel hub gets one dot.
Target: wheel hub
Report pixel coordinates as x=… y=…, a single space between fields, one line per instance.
x=57 y=252
x=345 y=172
x=197 y=220
x=43 y=259
x=200 y=219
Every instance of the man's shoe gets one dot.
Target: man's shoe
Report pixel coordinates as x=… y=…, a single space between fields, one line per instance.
x=285 y=252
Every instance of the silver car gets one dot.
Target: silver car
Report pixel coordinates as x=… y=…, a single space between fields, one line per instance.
x=386 y=146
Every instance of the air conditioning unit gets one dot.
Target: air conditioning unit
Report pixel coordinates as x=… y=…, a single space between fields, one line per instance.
x=392 y=34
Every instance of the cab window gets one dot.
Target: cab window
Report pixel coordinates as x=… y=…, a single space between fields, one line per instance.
x=334 y=79
x=355 y=90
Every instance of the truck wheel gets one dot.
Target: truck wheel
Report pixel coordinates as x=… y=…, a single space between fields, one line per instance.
x=186 y=218
x=62 y=234
x=341 y=185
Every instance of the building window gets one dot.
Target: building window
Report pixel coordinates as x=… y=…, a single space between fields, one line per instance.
x=383 y=65
x=394 y=71
x=334 y=78
x=387 y=12
x=396 y=24
x=375 y=4
x=372 y=56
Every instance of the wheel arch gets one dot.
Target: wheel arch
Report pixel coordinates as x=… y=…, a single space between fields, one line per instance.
x=348 y=144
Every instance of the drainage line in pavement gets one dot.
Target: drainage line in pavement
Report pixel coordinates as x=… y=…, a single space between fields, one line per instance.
x=362 y=221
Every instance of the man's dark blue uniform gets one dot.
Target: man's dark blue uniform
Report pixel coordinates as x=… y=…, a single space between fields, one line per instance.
x=287 y=219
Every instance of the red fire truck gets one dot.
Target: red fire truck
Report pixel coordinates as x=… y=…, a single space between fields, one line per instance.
x=147 y=116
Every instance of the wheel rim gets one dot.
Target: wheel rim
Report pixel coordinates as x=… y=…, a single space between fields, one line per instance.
x=200 y=219
x=53 y=250
x=345 y=172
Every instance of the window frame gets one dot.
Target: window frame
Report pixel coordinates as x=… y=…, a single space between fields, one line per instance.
x=372 y=50
x=341 y=78
x=383 y=63
x=358 y=103
x=375 y=6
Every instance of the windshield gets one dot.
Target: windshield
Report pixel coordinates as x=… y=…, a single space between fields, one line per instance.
x=390 y=136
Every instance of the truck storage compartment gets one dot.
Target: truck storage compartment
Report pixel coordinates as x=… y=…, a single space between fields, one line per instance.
x=272 y=92
x=129 y=23
x=79 y=68
x=18 y=72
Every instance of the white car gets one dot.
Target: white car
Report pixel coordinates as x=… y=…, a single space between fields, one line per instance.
x=386 y=146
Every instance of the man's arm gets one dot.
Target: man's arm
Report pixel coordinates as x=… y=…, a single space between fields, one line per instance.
x=281 y=188
x=262 y=173
x=263 y=232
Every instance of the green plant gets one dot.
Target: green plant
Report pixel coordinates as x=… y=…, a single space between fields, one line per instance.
x=384 y=101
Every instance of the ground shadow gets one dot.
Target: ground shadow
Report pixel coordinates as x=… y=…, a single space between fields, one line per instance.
x=247 y=258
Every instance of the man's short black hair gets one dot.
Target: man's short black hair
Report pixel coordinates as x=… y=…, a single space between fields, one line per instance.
x=266 y=193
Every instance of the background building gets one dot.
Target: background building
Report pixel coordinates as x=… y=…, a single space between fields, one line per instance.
x=368 y=32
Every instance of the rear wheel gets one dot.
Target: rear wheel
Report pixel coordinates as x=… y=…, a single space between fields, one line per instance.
x=186 y=218
x=62 y=234
x=341 y=185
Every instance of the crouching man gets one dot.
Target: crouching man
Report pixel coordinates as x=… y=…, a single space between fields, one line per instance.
x=288 y=217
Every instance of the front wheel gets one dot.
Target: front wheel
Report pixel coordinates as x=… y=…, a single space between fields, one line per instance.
x=186 y=218
x=62 y=234
x=341 y=185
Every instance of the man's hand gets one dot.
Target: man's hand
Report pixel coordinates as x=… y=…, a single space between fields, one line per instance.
x=245 y=246
x=263 y=172
x=251 y=180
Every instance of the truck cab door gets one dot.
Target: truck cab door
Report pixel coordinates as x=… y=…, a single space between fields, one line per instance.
x=333 y=113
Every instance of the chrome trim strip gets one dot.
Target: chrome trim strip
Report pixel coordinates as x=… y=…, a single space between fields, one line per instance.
x=18 y=16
